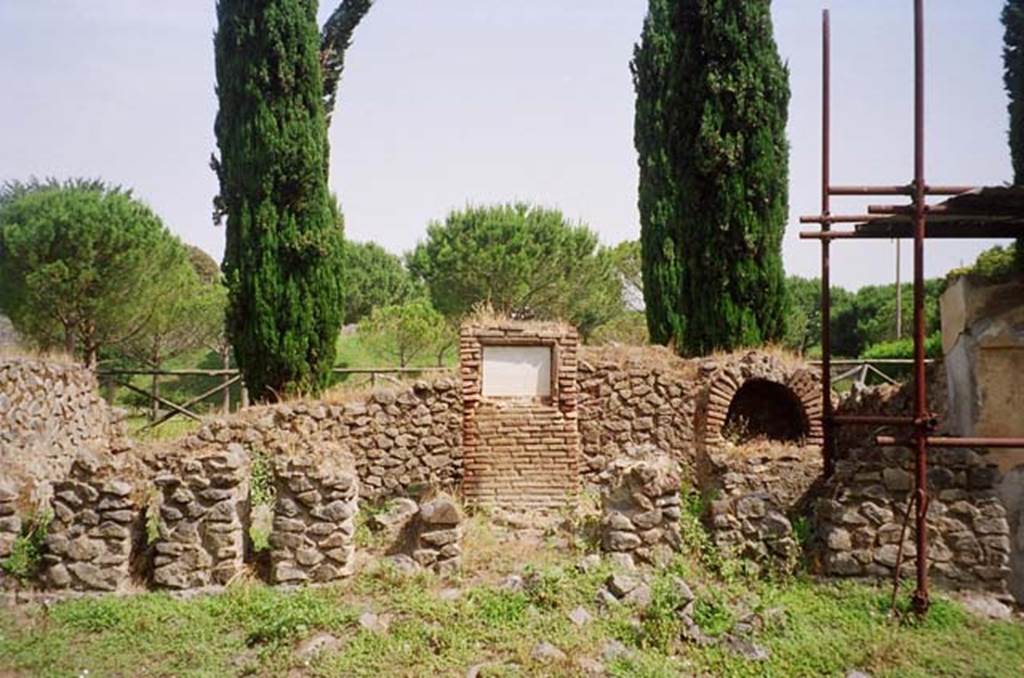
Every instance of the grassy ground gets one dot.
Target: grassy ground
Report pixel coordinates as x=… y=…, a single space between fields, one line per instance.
x=444 y=628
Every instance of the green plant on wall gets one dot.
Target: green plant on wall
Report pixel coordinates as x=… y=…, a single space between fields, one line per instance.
x=27 y=551
x=262 y=494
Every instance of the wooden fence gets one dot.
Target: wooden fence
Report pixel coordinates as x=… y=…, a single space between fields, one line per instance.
x=858 y=370
x=229 y=377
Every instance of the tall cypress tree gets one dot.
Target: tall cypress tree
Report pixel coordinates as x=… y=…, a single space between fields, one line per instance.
x=283 y=255
x=710 y=132
x=1013 y=79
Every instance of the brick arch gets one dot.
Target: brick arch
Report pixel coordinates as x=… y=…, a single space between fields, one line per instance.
x=725 y=382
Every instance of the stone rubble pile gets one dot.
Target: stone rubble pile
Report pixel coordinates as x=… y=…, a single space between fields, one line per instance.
x=641 y=510
x=313 y=537
x=89 y=542
x=201 y=518
x=426 y=535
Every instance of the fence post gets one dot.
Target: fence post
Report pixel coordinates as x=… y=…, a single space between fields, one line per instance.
x=154 y=409
x=226 y=362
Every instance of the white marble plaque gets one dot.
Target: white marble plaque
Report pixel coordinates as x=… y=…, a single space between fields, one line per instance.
x=517 y=371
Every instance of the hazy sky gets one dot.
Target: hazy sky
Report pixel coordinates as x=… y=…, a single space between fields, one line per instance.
x=446 y=102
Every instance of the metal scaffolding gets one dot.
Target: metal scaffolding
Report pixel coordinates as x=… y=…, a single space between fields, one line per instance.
x=972 y=212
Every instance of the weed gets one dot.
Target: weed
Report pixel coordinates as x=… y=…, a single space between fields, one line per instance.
x=262 y=494
x=661 y=623
x=27 y=551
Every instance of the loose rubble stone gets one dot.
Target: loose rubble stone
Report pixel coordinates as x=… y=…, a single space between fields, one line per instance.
x=546 y=652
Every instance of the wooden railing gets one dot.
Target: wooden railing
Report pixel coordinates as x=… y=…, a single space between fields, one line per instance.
x=230 y=377
x=859 y=369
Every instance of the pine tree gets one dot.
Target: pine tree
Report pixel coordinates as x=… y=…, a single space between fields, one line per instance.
x=284 y=248
x=711 y=108
x=1013 y=79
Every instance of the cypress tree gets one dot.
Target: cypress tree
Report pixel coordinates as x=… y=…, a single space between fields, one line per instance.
x=710 y=132
x=284 y=245
x=1013 y=79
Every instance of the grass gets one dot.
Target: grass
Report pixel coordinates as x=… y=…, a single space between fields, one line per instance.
x=250 y=629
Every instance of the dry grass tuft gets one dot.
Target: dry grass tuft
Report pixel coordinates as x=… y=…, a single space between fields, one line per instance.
x=10 y=353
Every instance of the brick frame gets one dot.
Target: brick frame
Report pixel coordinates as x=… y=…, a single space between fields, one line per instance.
x=520 y=453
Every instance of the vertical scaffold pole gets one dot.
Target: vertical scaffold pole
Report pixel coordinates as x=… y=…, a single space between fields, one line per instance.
x=828 y=430
x=921 y=425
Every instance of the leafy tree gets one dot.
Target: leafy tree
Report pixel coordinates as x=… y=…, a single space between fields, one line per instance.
x=284 y=250
x=405 y=332
x=204 y=265
x=859 y=319
x=711 y=108
x=1013 y=79
x=373 y=277
x=627 y=259
x=526 y=261
x=83 y=265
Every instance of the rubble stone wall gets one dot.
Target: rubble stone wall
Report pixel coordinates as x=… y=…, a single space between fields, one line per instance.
x=861 y=514
x=10 y=521
x=640 y=511
x=757 y=497
x=313 y=536
x=48 y=412
x=202 y=518
x=89 y=543
x=634 y=403
x=520 y=453
x=398 y=439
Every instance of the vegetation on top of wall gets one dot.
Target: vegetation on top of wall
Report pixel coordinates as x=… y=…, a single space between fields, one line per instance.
x=995 y=265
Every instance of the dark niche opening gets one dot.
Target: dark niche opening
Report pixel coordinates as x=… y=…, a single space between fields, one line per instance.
x=765 y=409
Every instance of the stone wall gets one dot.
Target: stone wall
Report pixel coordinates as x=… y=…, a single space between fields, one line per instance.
x=438 y=536
x=313 y=537
x=10 y=522
x=761 y=489
x=202 y=513
x=859 y=519
x=89 y=543
x=640 y=511
x=399 y=439
x=520 y=453
x=634 y=402
x=49 y=411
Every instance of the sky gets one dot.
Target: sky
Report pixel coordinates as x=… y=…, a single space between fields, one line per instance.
x=451 y=102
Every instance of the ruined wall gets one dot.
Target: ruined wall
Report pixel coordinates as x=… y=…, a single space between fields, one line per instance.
x=640 y=511
x=89 y=543
x=313 y=536
x=520 y=453
x=48 y=412
x=10 y=522
x=398 y=439
x=859 y=518
x=983 y=345
x=203 y=511
x=762 y=489
x=634 y=402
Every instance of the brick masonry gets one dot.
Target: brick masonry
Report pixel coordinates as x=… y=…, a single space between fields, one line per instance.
x=520 y=453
